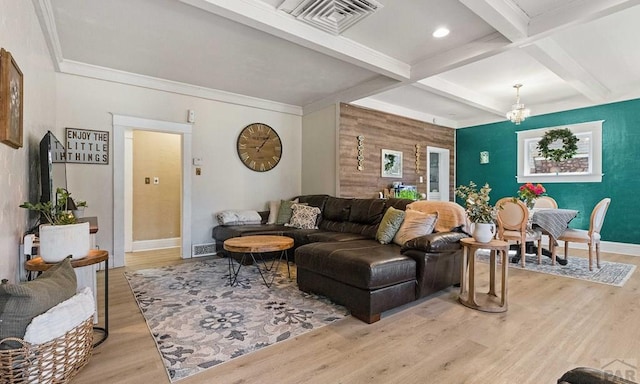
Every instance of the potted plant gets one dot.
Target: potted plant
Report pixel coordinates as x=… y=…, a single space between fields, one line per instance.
x=60 y=233
x=480 y=212
x=79 y=211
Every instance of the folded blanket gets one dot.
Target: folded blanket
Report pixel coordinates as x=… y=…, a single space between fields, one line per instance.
x=238 y=217
x=450 y=215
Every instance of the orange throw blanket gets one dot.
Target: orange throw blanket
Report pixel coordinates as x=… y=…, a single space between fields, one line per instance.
x=450 y=214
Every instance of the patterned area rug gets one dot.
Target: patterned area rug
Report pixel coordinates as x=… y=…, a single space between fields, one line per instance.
x=610 y=272
x=199 y=321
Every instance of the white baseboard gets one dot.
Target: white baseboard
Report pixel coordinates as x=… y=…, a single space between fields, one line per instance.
x=147 y=245
x=608 y=246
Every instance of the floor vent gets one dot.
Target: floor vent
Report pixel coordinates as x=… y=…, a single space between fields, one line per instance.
x=203 y=249
x=333 y=16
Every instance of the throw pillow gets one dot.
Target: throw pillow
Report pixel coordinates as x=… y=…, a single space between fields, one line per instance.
x=274 y=206
x=415 y=224
x=20 y=303
x=304 y=216
x=389 y=225
x=285 y=211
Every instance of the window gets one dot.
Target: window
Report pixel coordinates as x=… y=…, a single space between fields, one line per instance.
x=585 y=166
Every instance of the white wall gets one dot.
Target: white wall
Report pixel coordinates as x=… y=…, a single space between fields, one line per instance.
x=225 y=182
x=21 y=35
x=319 y=143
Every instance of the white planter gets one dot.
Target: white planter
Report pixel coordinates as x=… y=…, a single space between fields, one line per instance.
x=483 y=232
x=78 y=213
x=60 y=241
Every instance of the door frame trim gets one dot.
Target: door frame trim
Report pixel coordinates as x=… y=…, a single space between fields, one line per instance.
x=121 y=125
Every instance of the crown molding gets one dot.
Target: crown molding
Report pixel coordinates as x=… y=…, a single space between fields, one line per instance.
x=44 y=11
x=107 y=74
x=406 y=112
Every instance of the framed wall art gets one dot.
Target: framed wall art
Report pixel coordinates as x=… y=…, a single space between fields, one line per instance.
x=391 y=163
x=11 y=101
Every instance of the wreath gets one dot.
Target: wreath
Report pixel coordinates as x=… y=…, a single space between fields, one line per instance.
x=569 y=145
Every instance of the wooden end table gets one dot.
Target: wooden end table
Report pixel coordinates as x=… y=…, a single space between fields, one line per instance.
x=489 y=302
x=258 y=245
x=95 y=256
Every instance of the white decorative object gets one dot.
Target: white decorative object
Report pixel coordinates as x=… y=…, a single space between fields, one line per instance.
x=60 y=241
x=483 y=232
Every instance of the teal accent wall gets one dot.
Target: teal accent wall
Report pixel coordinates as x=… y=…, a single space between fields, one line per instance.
x=620 y=165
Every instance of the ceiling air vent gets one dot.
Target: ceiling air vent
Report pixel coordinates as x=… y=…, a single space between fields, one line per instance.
x=333 y=16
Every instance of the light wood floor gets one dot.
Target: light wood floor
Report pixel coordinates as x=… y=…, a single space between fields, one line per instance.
x=553 y=324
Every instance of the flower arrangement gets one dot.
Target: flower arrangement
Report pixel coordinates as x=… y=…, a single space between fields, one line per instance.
x=477 y=202
x=529 y=192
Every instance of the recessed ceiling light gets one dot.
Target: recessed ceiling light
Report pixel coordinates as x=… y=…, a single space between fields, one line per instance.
x=441 y=32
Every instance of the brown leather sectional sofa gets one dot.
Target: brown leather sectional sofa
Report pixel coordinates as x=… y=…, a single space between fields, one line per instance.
x=342 y=260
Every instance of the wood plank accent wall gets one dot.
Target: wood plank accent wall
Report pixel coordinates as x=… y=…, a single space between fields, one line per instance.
x=382 y=130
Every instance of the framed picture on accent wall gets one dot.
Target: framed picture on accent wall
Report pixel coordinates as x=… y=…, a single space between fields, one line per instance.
x=391 y=163
x=11 y=100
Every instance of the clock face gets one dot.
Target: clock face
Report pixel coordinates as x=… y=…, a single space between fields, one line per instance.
x=259 y=147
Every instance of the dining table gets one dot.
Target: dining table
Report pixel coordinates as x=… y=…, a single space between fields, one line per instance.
x=552 y=222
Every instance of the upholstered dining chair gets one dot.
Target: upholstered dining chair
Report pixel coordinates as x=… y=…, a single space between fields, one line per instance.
x=513 y=217
x=591 y=236
x=545 y=202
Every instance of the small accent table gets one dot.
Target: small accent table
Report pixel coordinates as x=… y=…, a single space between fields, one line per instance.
x=489 y=301
x=257 y=245
x=95 y=256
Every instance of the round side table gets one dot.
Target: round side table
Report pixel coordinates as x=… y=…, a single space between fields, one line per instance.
x=257 y=245
x=487 y=302
x=95 y=256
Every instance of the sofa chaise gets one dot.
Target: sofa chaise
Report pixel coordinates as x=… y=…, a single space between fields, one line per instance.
x=342 y=259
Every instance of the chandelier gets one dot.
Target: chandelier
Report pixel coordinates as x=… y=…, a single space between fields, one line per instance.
x=518 y=113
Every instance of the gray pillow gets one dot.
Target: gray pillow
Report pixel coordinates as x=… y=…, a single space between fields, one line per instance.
x=20 y=303
x=285 y=211
x=389 y=225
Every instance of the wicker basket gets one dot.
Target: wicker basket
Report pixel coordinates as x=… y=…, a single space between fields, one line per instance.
x=56 y=361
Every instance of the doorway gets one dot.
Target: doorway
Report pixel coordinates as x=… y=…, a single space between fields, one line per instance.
x=152 y=212
x=123 y=126
x=437 y=174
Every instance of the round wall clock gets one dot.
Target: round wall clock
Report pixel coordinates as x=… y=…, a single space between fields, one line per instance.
x=259 y=147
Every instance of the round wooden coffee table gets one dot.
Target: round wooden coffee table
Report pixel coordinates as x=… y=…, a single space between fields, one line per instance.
x=489 y=302
x=250 y=246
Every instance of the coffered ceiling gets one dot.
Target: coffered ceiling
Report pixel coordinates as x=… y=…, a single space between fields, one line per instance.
x=566 y=53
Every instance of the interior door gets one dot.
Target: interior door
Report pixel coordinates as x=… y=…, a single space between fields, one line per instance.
x=437 y=174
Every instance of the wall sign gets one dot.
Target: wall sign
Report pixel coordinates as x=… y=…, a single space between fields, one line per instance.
x=86 y=146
